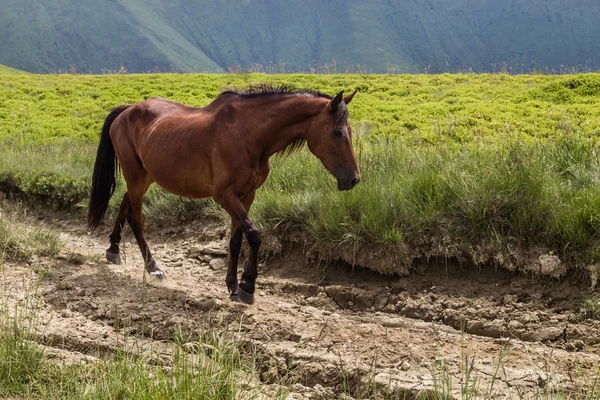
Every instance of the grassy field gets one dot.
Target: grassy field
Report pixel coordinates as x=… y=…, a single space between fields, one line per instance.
x=483 y=166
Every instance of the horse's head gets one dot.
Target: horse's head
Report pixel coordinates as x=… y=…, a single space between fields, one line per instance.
x=330 y=139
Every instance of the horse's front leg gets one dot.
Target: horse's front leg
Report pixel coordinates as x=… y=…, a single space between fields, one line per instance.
x=238 y=210
x=235 y=245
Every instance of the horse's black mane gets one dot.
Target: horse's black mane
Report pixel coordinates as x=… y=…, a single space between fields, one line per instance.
x=266 y=89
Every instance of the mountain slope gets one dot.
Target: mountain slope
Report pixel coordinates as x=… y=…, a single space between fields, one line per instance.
x=4 y=70
x=203 y=35
x=50 y=35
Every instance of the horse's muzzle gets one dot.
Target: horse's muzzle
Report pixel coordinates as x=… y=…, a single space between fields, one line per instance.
x=347 y=184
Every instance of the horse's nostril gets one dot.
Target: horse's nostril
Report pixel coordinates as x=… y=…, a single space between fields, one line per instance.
x=354 y=181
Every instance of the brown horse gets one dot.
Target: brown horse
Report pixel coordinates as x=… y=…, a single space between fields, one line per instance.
x=221 y=150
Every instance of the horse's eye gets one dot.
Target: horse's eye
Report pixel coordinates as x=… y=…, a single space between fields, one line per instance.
x=337 y=133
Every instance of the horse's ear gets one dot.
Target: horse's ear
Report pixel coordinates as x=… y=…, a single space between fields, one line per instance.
x=336 y=101
x=348 y=98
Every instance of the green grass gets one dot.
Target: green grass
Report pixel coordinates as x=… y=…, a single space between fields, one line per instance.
x=4 y=70
x=590 y=308
x=421 y=109
x=492 y=195
x=452 y=165
x=18 y=242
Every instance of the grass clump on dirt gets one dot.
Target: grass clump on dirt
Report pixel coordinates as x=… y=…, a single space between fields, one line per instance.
x=54 y=175
x=19 y=242
x=210 y=367
x=488 y=196
x=590 y=309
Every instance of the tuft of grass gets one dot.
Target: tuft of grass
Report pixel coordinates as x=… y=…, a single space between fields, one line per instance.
x=166 y=209
x=76 y=258
x=56 y=175
x=21 y=359
x=590 y=309
x=19 y=242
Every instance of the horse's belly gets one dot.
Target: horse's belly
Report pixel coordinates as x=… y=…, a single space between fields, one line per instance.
x=182 y=173
x=178 y=162
x=196 y=192
x=183 y=179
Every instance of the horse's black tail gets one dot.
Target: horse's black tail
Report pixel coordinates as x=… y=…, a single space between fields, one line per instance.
x=105 y=170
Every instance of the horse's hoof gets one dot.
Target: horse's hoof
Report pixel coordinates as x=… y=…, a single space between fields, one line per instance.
x=113 y=258
x=154 y=271
x=235 y=298
x=158 y=274
x=245 y=297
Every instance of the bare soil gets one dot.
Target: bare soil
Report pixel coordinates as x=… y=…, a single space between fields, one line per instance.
x=340 y=328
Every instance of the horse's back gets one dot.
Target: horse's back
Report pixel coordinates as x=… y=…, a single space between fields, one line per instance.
x=173 y=143
x=157 y=107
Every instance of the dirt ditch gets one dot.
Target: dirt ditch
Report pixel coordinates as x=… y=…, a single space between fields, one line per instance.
x=340 y=328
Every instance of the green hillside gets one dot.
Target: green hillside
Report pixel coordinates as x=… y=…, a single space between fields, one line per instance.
x=4 y=70
x=381 y=35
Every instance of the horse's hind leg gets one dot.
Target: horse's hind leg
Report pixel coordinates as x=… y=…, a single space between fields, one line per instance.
x=113 y=252
x=137 y=183
x=136 y=221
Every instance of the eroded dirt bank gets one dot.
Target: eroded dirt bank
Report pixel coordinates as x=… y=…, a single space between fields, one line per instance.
x=331 y=323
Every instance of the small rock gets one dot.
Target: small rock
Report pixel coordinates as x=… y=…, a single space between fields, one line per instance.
x=514 y=325
x=550 y=334
x=312 y=300
x=294 y=338
x=214 y=248
x=194 y=251
x=177 y=264
x=212 y=304
x=393 y=323
x=502 y=341
x=579 y=344
x=541 y=381
x=404 y=366
x=217 y=263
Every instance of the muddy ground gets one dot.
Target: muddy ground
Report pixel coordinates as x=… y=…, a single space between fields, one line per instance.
x=517 y=335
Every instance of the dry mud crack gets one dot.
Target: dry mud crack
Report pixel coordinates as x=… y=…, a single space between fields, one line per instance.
x=331 y=324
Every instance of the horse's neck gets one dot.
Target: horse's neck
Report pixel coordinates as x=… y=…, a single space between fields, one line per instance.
x=288 y=121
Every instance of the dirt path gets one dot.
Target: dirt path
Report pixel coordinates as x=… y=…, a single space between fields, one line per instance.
x=333 y=325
